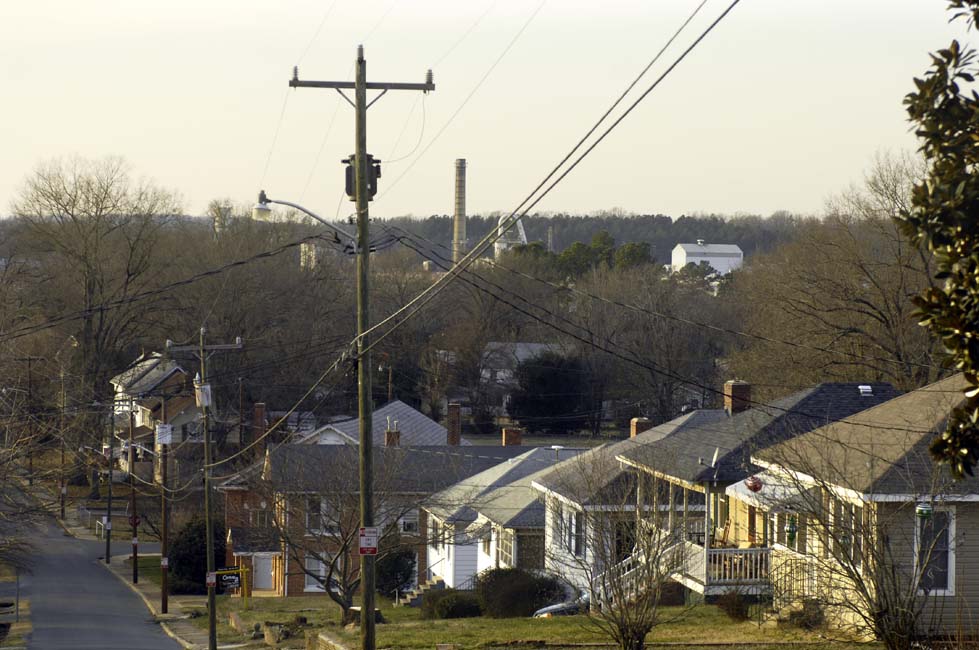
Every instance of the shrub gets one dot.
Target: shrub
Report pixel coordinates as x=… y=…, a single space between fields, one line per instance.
x=431 y=599
x=188 y=557
x=395 y=571
x=734 y=605
x=809 y=617
x=508 y=593
x=458 y=605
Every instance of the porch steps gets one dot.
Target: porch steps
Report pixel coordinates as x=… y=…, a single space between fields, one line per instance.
x=414 y=597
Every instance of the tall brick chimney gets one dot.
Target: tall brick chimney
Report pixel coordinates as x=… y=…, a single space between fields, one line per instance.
x=453 y=425
x=737 y=396
x=258 y=422
x=638 y=425
x=512 y=437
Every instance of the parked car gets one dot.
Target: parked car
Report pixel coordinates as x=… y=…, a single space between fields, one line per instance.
x=569 y=608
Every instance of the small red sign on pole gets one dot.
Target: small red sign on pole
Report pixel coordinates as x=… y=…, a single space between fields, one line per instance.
x=212 y=579
x=368 y=541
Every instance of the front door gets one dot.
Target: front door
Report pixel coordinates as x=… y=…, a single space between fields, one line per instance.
x=261 y=572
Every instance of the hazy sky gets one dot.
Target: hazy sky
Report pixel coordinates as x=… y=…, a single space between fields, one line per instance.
x=784 y=104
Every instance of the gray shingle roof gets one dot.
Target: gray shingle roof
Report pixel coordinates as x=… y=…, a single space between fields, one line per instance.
x=583 y=483
x=882 y=450
x=412 y=470
x=686 y=454
x=417 y=429
x=146 y=374
x=502 y=494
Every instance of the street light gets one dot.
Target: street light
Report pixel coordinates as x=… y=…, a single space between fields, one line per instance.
x=262 y=212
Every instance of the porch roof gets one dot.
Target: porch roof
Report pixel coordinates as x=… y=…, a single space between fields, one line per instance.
x=777 y=493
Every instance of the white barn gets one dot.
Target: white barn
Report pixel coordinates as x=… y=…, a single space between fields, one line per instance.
x=723 y=258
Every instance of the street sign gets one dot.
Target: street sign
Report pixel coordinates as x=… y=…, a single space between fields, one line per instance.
x=368 y=541
x=164 y=434
x=212 y=579
x=134 y=520
x=164 y=562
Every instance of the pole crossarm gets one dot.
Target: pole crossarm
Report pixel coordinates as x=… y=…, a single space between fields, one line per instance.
x=371 y=85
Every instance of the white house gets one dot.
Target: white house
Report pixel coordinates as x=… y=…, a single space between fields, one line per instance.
x=493 y=519
x=723 y=258
x=412 y=427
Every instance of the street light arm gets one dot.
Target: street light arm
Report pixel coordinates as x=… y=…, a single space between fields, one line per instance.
x=264 y=200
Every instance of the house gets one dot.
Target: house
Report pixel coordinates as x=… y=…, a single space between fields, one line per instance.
x=865 y=520
x=300 y=505
x=498 y=368
x=595 y=495
x=412 y=428
x=157 y=390
x=489 y=520
x=723 y=258
x=729 y=547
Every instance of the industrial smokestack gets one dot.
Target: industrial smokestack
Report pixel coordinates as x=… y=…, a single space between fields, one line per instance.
x=459 y=241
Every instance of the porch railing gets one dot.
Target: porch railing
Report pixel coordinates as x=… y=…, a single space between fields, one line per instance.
x=738 y=566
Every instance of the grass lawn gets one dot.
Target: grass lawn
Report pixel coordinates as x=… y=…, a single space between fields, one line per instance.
x=406 y=628
x=149 y=568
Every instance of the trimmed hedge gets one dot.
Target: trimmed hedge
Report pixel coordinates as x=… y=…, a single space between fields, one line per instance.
x=510 y=593
x=458 y=604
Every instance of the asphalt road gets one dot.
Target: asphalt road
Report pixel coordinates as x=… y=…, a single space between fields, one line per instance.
x=79 y=605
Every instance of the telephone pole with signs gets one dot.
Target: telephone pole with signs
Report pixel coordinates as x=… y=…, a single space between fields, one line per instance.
x=202 y=391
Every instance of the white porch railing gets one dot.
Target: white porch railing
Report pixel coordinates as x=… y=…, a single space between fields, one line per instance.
x=738 y=566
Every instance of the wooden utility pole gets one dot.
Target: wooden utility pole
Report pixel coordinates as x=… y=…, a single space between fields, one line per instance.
x=164 y=515
x=30 y=416
x=203 y=391
x=362 y=195
x=133 y=519
x=108 y=504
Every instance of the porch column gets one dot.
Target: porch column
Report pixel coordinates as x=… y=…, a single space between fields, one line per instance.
x=707 y=536
x=672 y=507
x=686 y=501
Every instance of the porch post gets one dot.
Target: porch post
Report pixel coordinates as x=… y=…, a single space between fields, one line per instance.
x=670 y=512
x=707 y=536
x=686 y=503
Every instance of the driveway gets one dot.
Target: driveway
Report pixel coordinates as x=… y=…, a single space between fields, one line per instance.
x=79 y=605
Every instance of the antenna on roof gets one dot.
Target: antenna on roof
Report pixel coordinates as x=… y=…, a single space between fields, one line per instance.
x=713 y=462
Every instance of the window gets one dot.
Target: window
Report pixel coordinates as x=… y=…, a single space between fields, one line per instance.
x=505 y=548
x=436 y=533
x=408 y=523
x=258 y=518
x=935 y=552
x=578 y=539
x=314 y=515
x=315 y=573
x=487 y=540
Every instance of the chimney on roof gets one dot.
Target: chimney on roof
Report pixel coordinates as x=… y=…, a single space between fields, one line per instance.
x=453 y=425
x=638 y=425
x=512 y=436
x=392 y=437
x=737 y=396
x=258 y=421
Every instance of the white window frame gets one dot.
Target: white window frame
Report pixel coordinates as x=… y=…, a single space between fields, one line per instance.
x=408 y=523
x=310 y=584
x=952 y=516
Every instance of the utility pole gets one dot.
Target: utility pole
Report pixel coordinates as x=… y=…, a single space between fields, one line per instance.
x=133 y=519
x=61 y=426
x=108 y=503
x=164 y=515
x=203 y=391
x=365 y=180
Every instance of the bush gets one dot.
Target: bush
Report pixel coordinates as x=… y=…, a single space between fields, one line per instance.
x=810 y=617
x=188 y=557
x=734 y=605
x=458 y=605
x=395 y=571
x=430 y=601
x=508 y=593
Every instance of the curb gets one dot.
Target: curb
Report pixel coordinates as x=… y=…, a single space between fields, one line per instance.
x=149 y=605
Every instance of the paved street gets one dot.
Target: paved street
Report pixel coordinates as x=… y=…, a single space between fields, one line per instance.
x=77 y=604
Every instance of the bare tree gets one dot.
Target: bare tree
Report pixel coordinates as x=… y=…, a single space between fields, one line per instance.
x=624 y=557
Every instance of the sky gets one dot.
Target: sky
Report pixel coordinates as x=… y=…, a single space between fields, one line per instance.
x=783 y=105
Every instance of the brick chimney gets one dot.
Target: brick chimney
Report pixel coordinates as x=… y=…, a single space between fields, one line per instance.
x=258 y=422
x=638 y=425
x=392 y=437
x=453 y=425
x=512 y=437
x=737 y=396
